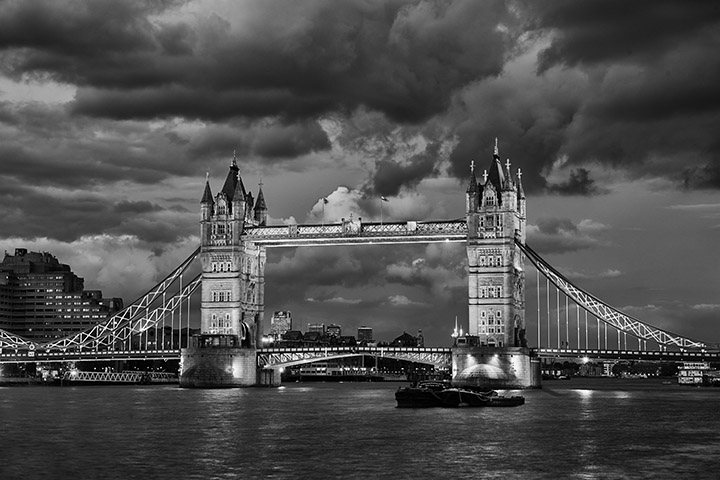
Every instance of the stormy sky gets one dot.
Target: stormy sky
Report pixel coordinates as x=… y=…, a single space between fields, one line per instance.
x=111 y=113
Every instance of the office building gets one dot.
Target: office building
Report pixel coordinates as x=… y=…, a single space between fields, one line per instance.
x=280 y=323
x=316 y=328
x=365 y=334
x=41 y=299
x=333 y=330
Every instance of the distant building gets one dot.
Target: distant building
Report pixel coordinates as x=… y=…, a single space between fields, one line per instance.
x=365 y=334
x=316 y=328
x=333 y=330
x=41 y=299
x=280 y=323
x=405 y=340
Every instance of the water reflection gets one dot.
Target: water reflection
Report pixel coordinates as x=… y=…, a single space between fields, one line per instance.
x=574 y=430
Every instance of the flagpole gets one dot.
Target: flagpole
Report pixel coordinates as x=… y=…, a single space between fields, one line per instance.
x=381 y=211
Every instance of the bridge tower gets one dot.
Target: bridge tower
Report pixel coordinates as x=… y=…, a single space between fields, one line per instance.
x=233 y=284
x=496 y=219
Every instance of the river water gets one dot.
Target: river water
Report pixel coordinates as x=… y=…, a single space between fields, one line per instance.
x=581 y=428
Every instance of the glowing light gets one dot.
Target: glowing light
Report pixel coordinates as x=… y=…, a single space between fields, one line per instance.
x=585 y=360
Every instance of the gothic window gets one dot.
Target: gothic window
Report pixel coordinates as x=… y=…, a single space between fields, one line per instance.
x=498 y=260
x=483 y=292
x=222 y=209
x=482 y=261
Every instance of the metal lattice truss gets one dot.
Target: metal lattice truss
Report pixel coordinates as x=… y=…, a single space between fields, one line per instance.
x=355 y=232
x=134 y=319
x=142 y=323
x=10 y=340
x=287 y=357
x=605 y=312
x=121 y=377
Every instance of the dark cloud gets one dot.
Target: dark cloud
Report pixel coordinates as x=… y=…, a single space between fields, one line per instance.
x=289 y=141
x=41 y=145
x=404 y=58
x=704 y=176
x=579 y=183
x=631 y=87
x=127 y=206
x=391 y=175
x=35 y=213
x=562 y=235
x=598 y=31
x=268 y=139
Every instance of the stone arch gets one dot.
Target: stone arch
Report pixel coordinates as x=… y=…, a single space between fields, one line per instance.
x=245 y=335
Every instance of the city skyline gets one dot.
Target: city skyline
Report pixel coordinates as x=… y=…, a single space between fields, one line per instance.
x=110 y=119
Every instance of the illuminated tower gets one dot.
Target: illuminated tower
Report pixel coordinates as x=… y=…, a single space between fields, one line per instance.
x=233 y=284
x=494 y=354
x=496 y=220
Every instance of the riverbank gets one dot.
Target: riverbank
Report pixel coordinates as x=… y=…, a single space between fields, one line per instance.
x=21 y=382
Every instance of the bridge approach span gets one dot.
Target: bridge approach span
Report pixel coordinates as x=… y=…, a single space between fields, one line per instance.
x=608 y=314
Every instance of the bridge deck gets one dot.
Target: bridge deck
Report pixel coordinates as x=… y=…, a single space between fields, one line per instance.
x=270 y=356
x=355 y=233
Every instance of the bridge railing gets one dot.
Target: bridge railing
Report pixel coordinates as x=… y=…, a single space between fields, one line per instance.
x=356 y=231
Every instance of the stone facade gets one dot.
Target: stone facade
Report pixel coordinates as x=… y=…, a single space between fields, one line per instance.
x=218 y=367
x=233 y=286
x=496 y=218
x=495 y=367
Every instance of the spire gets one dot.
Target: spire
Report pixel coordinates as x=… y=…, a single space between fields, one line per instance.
x=521 y=191
x=508 y=174
x=239 y=194
x=260 y=204
x=495 y=175
x=231 y=180
x=260 y=207
x=473 y=186
x=207 y=194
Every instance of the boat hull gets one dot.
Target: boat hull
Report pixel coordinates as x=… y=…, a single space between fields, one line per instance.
x=418 y=397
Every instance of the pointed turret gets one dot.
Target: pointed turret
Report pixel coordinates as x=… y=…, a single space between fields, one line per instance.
x=495 y=175
x=207 y=194
x=472 y=191
x=260 y=208
x=231 y=180
x=509 y=183
x=207 y=205
x=521 y=191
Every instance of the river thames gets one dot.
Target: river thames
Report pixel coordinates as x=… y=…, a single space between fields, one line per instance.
x=580 y=428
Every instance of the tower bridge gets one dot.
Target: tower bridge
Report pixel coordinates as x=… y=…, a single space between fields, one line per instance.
x=226 y=348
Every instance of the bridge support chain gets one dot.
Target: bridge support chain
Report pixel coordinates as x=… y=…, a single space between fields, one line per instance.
x=217 y=361
x=482 y=367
